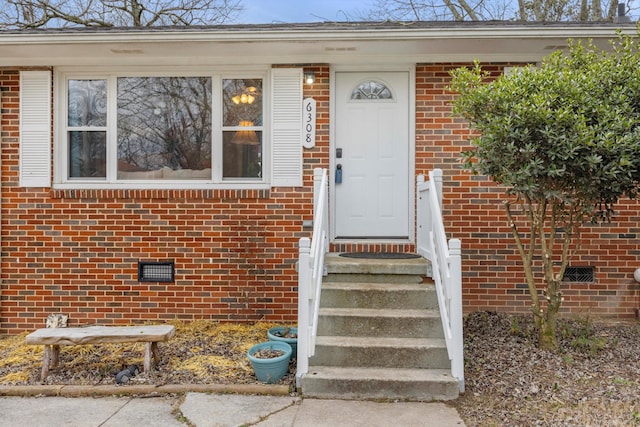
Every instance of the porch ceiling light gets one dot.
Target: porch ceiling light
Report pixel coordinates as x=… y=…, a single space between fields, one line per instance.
x=309 y=77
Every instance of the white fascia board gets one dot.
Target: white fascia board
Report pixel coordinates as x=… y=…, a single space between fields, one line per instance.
x=302 y=35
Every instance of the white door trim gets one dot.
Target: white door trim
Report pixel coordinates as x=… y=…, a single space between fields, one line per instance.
x=412 y=149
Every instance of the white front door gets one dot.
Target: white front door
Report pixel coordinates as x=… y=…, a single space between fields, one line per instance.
x=372 y=152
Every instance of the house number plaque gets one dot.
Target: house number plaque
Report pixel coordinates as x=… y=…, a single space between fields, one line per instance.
x=309 y=123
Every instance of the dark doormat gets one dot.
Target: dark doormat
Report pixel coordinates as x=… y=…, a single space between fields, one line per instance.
x=379 y=255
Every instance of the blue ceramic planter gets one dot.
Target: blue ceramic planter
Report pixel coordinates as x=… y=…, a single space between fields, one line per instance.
x=293 y=342
x=270 y=370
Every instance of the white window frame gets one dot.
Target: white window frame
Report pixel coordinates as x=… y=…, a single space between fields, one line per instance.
x=61 y=179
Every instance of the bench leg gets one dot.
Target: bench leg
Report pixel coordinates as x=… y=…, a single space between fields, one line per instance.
x=50 y=360
x=150 y=351
x=55 y=355
x=45 y=363
x=147 y=357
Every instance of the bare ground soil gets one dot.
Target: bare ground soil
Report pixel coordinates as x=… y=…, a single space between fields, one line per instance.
x=594 y=380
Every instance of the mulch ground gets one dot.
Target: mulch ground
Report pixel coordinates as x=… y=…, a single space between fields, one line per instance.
x=201 y=352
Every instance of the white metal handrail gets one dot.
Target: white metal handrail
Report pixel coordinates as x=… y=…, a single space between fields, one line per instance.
x=445 y=258
x=310 y=273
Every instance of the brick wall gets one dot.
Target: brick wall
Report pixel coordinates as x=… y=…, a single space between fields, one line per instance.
x=492 y=272
x=235 y=251
x=77 y=252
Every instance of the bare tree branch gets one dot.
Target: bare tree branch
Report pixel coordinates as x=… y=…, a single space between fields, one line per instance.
x=470 y=12
x=17 y=14
x=613 y=9
x=454 y=11
x=479 y=10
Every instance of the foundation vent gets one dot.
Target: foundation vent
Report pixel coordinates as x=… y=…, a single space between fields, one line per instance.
x=154 y=271
x=579 y=274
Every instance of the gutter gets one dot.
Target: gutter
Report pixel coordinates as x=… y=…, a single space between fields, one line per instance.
x=310 y=33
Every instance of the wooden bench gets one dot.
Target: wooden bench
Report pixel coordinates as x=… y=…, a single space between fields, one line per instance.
x=53 y=338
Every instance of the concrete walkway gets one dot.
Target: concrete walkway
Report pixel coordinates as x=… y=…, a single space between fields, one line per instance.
x=219 y=410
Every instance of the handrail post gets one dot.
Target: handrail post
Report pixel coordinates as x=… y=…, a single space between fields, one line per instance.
x=455 y=272
x=317 y=181
x=318 y=173
x=423 y=215
x=304 y=323
x=437 y=178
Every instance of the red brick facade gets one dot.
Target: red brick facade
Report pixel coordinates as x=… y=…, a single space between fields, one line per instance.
x=77 y=252
x=473 y=211
x=235 y=250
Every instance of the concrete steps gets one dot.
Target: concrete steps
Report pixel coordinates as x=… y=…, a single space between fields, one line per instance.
x=330 y=382
x=385 y=352
x=379 y=334
x=377 y=295
x=373 y=322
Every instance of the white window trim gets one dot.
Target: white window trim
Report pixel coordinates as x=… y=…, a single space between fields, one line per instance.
x=61 y=180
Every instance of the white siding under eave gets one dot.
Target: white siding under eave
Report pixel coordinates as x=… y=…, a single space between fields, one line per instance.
x=286 y=125
x=35 y=129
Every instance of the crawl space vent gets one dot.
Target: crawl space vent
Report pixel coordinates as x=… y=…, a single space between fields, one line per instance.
x=155 y=271
x=579 y=274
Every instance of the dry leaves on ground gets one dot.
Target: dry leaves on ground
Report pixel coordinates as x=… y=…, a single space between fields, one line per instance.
x=594 y=380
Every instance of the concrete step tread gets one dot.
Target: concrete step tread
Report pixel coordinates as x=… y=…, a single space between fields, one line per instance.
x=373 y=286
x=382 y=342
x=381 y=374
x=338 y=264
x=379 y=312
